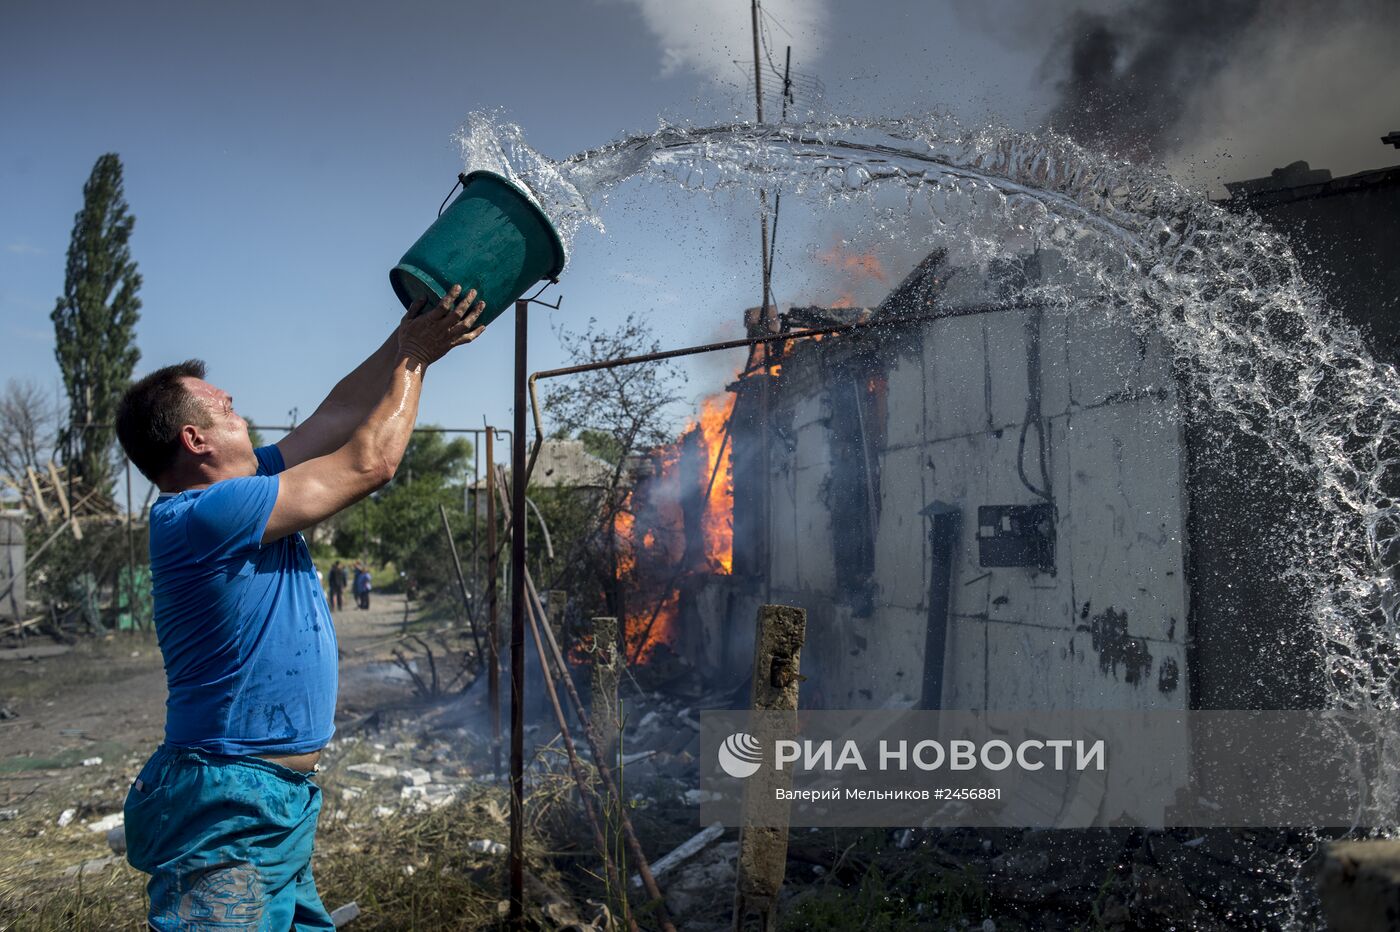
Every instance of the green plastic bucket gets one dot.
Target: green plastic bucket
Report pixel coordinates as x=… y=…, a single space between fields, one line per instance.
x=492 y=238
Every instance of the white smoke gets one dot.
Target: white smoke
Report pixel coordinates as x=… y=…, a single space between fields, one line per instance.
x=714 y=38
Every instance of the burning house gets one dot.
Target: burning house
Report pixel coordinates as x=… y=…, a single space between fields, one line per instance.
x=981 y=505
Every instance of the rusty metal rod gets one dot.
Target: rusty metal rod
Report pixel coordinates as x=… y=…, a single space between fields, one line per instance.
x=735 y=344
x=604 y=770
x=599 y=758
x=461 y=584
x=657 y=357
x=585 y=790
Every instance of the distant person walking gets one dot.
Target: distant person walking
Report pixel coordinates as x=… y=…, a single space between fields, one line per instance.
x=362 y=586
x=337 y=587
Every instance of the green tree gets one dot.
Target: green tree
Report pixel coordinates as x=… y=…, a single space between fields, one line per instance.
x=616 y=413
x=401 y=524
x=94 y=323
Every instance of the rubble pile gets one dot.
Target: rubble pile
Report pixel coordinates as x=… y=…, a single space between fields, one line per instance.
x=935 y=878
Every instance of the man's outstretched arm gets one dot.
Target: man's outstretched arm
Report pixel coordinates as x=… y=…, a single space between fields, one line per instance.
x=349 y=403
x=313 y=490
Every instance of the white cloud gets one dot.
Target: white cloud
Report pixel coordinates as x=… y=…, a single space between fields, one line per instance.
x=710 y=36
x=22 y=248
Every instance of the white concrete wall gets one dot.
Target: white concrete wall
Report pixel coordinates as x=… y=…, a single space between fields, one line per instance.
x=1107 y=629
x=956 y=404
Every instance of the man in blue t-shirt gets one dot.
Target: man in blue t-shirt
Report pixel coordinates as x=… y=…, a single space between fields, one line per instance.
x=223 y=816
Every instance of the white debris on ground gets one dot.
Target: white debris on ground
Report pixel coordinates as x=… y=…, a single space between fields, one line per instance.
x=106 y=823
x=372 y=771
x=342 y=915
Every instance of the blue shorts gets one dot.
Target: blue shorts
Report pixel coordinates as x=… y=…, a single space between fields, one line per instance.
x=227 y=842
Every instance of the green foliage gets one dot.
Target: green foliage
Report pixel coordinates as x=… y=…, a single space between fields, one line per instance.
x=95 y=323
x=89 y=579
x=402 y=524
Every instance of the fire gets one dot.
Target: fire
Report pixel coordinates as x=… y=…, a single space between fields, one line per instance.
x=623 y=523
x=694 y=472
x=719 y=507
x=854 y=270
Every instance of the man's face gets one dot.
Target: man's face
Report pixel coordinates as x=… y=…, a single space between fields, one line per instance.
x=226 y=433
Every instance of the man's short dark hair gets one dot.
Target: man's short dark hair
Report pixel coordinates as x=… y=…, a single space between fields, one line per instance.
x=151 y=413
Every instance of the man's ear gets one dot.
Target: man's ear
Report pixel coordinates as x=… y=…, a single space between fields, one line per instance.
x=193 y=440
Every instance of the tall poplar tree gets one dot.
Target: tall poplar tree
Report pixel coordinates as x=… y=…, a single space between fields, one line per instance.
x=94 y=324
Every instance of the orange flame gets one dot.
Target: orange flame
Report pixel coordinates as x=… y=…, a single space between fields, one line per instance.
x=719 y=509
x=623 y=523
x=854 y=269
x=648 y=559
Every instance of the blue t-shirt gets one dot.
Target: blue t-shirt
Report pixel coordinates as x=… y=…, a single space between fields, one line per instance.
x=249 y=648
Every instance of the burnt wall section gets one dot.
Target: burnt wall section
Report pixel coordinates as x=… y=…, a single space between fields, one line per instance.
x=1253 y=642
x=954 y=437
x=750 y=489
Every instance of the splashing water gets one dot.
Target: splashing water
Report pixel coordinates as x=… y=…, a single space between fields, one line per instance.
x=1224 y=290
x=1257 y=342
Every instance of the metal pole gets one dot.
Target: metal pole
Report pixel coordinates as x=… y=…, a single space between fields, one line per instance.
x=475 y=503
x=130 y=556
x=765 y=465
x=461 y=583
x=493 y=618
x=762 y=193
x=517 y=628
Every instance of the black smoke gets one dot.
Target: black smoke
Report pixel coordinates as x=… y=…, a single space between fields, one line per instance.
x=1127 y=77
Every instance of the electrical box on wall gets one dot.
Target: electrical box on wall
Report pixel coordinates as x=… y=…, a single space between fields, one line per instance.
x=1017 y=535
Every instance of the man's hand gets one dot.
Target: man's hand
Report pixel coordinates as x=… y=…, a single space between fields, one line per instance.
x=427 y=337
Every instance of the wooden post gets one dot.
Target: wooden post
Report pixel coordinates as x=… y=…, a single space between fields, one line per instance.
x=607 y=664
x=1359 y=885
x=59 y=493
x=763 y=832
x=39 y=504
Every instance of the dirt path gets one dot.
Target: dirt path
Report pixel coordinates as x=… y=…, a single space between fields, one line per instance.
x=105 y=699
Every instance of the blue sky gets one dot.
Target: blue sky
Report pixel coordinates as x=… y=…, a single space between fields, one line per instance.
x=281 y=156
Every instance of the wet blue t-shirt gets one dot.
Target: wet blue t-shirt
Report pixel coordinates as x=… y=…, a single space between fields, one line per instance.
x=250 y=651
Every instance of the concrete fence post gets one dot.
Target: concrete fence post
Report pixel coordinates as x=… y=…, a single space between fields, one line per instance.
x=607 y=665
x=763 y=832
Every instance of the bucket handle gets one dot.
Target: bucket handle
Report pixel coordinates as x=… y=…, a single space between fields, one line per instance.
x=461 y=182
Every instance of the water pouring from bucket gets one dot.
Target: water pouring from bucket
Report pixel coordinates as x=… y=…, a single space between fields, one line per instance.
x=493 y=238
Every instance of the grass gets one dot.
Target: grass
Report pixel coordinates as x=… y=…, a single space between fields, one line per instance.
x=919 y=894
x=407 y=871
